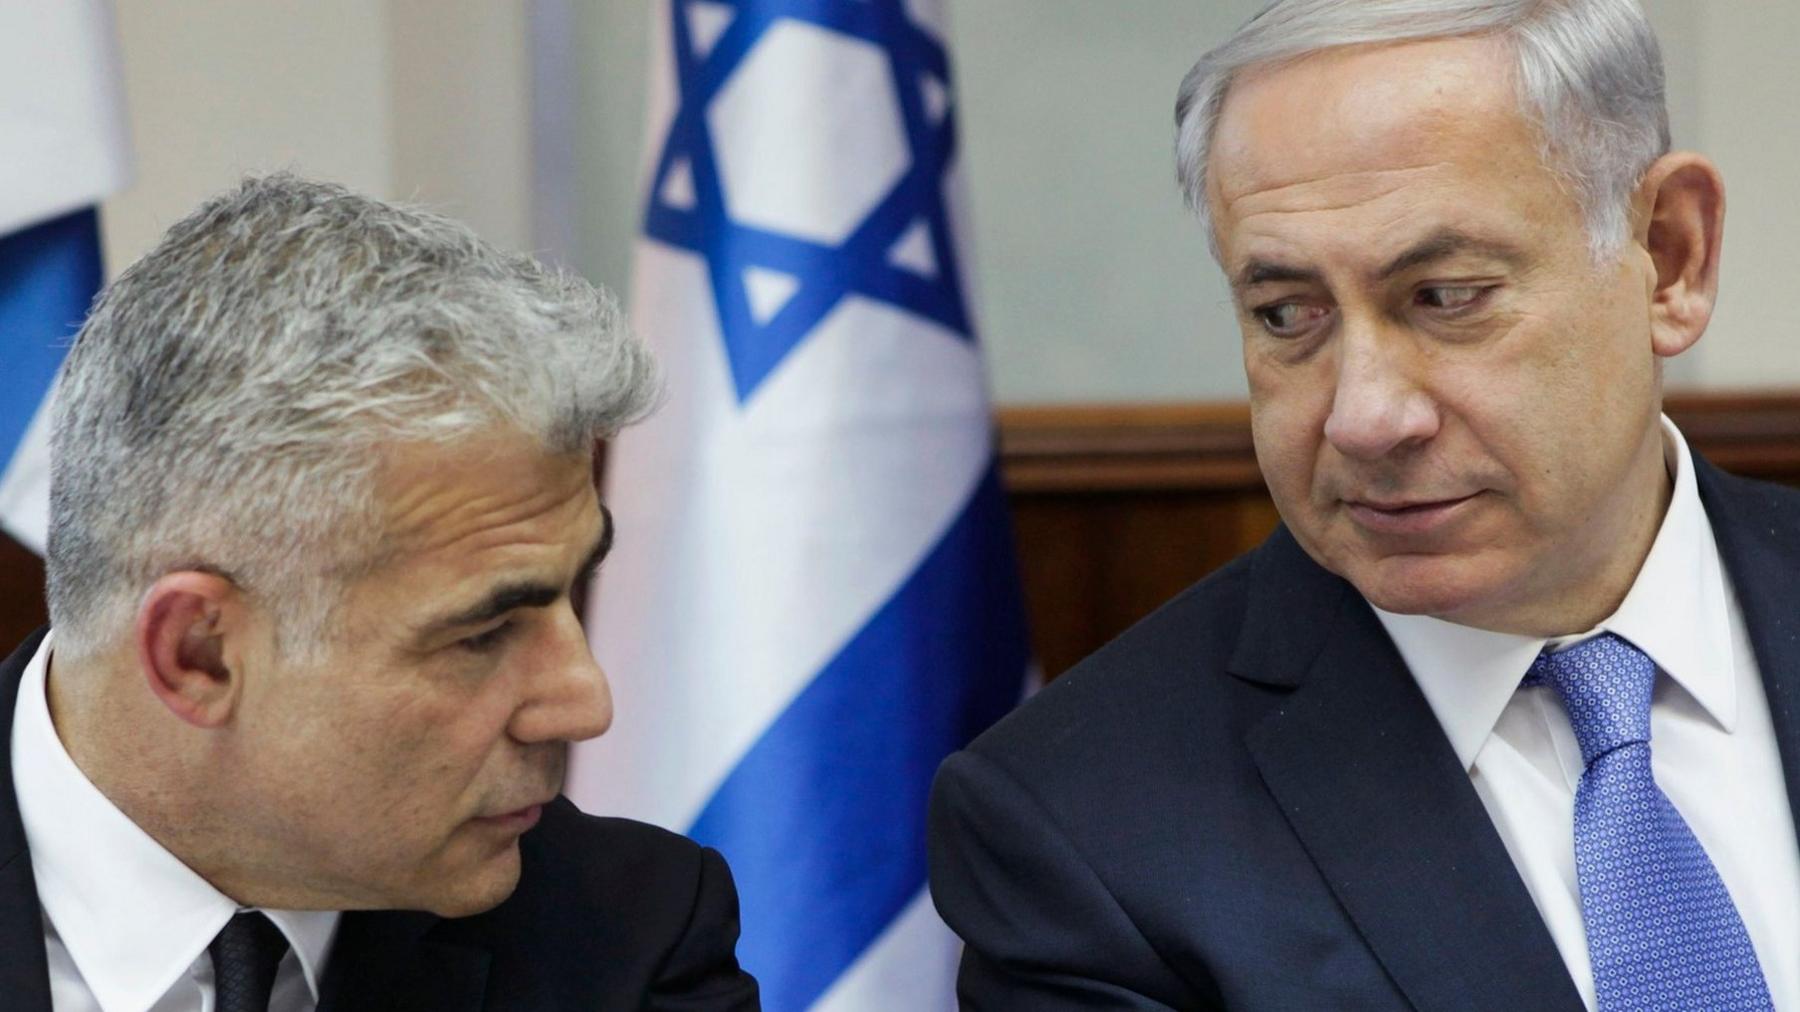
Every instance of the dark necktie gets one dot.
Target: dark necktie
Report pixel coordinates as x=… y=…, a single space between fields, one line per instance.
x=1662 y=931
x=244 y=956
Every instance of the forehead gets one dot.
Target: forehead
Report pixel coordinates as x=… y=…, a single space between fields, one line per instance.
x=1352 y=147
x=468 y=503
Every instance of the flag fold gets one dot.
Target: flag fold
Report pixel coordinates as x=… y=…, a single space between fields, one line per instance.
x=813 y=598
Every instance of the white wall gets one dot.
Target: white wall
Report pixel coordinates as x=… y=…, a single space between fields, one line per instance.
x=1096 y=284
x=1747 y=100
x=612 y=67
x=424 y=100
x=459 y=76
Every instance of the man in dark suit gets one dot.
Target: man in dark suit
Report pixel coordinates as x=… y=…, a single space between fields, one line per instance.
x=1502 y=716
x=322 y=489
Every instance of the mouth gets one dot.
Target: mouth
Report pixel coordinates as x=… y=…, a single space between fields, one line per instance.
x=518 y=820
x=1407 y=516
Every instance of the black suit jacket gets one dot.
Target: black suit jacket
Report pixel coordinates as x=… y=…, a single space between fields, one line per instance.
x=608 y=914
x=1246 y=802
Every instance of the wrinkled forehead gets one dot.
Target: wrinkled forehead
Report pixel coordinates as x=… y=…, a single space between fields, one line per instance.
x=456 y=499
x=1352 y=153
x=1378 y=127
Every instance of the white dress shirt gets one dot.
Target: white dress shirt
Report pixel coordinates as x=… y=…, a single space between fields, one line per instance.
x=1713 y=749
x=126 y=924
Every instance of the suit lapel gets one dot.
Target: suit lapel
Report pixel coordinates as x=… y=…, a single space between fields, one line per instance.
x=392 y=961
x=1757 y=528
x=24 y=970
x=1369 y=783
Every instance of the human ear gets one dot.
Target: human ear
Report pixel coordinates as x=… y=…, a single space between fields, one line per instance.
x=1684 y=197
x=187 y=626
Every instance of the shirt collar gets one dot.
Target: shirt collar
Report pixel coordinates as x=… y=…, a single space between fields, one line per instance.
x=1675 y=612
x=132 y=916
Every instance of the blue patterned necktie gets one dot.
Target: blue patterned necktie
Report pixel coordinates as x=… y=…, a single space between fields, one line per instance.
x=1662 y=931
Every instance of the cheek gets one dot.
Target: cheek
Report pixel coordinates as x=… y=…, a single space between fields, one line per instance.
x=396 y=750
x=434 y=752
x=1596 y=325
x=1589 y=360
x=395 y=794
x=1560 y=409
x=461 y=749
x=1288 y=411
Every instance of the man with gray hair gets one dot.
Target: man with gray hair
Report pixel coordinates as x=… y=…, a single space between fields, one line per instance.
x=322 y=489
x=1503 y=716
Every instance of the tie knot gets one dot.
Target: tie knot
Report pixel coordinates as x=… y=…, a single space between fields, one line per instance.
x=245 y=954
x=1605 y=685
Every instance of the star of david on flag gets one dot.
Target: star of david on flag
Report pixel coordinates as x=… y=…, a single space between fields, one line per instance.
x=792 y=244
x=813 y=598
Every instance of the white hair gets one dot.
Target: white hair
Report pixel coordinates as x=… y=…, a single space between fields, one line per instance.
x=227 y=403
x=1589 y=77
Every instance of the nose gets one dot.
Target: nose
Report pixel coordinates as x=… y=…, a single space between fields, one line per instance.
x=1378 y=406
x=568 y=697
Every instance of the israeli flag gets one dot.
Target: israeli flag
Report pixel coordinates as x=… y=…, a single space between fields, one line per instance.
x=813 y=598
x=62 y=148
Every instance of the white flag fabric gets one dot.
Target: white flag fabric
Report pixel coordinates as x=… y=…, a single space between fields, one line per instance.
x=813 y=597
x=62 y=148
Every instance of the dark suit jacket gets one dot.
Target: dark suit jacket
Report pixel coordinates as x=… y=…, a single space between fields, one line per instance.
x=609 y=914
x=1246 y=802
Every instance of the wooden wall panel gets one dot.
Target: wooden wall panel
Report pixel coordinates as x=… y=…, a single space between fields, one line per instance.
x=21 y=593
x=1095 y=562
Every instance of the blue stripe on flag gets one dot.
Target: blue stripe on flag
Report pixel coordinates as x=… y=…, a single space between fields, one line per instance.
x=824 y=819
x=48 y=276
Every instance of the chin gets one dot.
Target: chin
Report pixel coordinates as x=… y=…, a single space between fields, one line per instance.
x=1422 y=585
x=476 y=890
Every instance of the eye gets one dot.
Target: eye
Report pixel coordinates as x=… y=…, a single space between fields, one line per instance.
x=485 y=642
x=1288 y=319
x=1452 y=297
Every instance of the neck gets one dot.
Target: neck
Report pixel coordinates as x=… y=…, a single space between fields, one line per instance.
x=158 y=771
x=123 y=744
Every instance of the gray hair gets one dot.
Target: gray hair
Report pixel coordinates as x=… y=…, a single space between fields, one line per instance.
x=227 y=403
x=1589 y=76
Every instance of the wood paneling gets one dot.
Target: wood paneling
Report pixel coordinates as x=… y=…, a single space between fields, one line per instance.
x=1757 y=435
x=1117 y=508
x=1115 y=447
x=1094 y=562
x=21 y=593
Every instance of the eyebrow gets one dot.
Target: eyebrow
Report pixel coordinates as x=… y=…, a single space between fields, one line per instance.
x=1450 y=242
x=529 y=593
x=1263 y=272
x=1439 y=245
